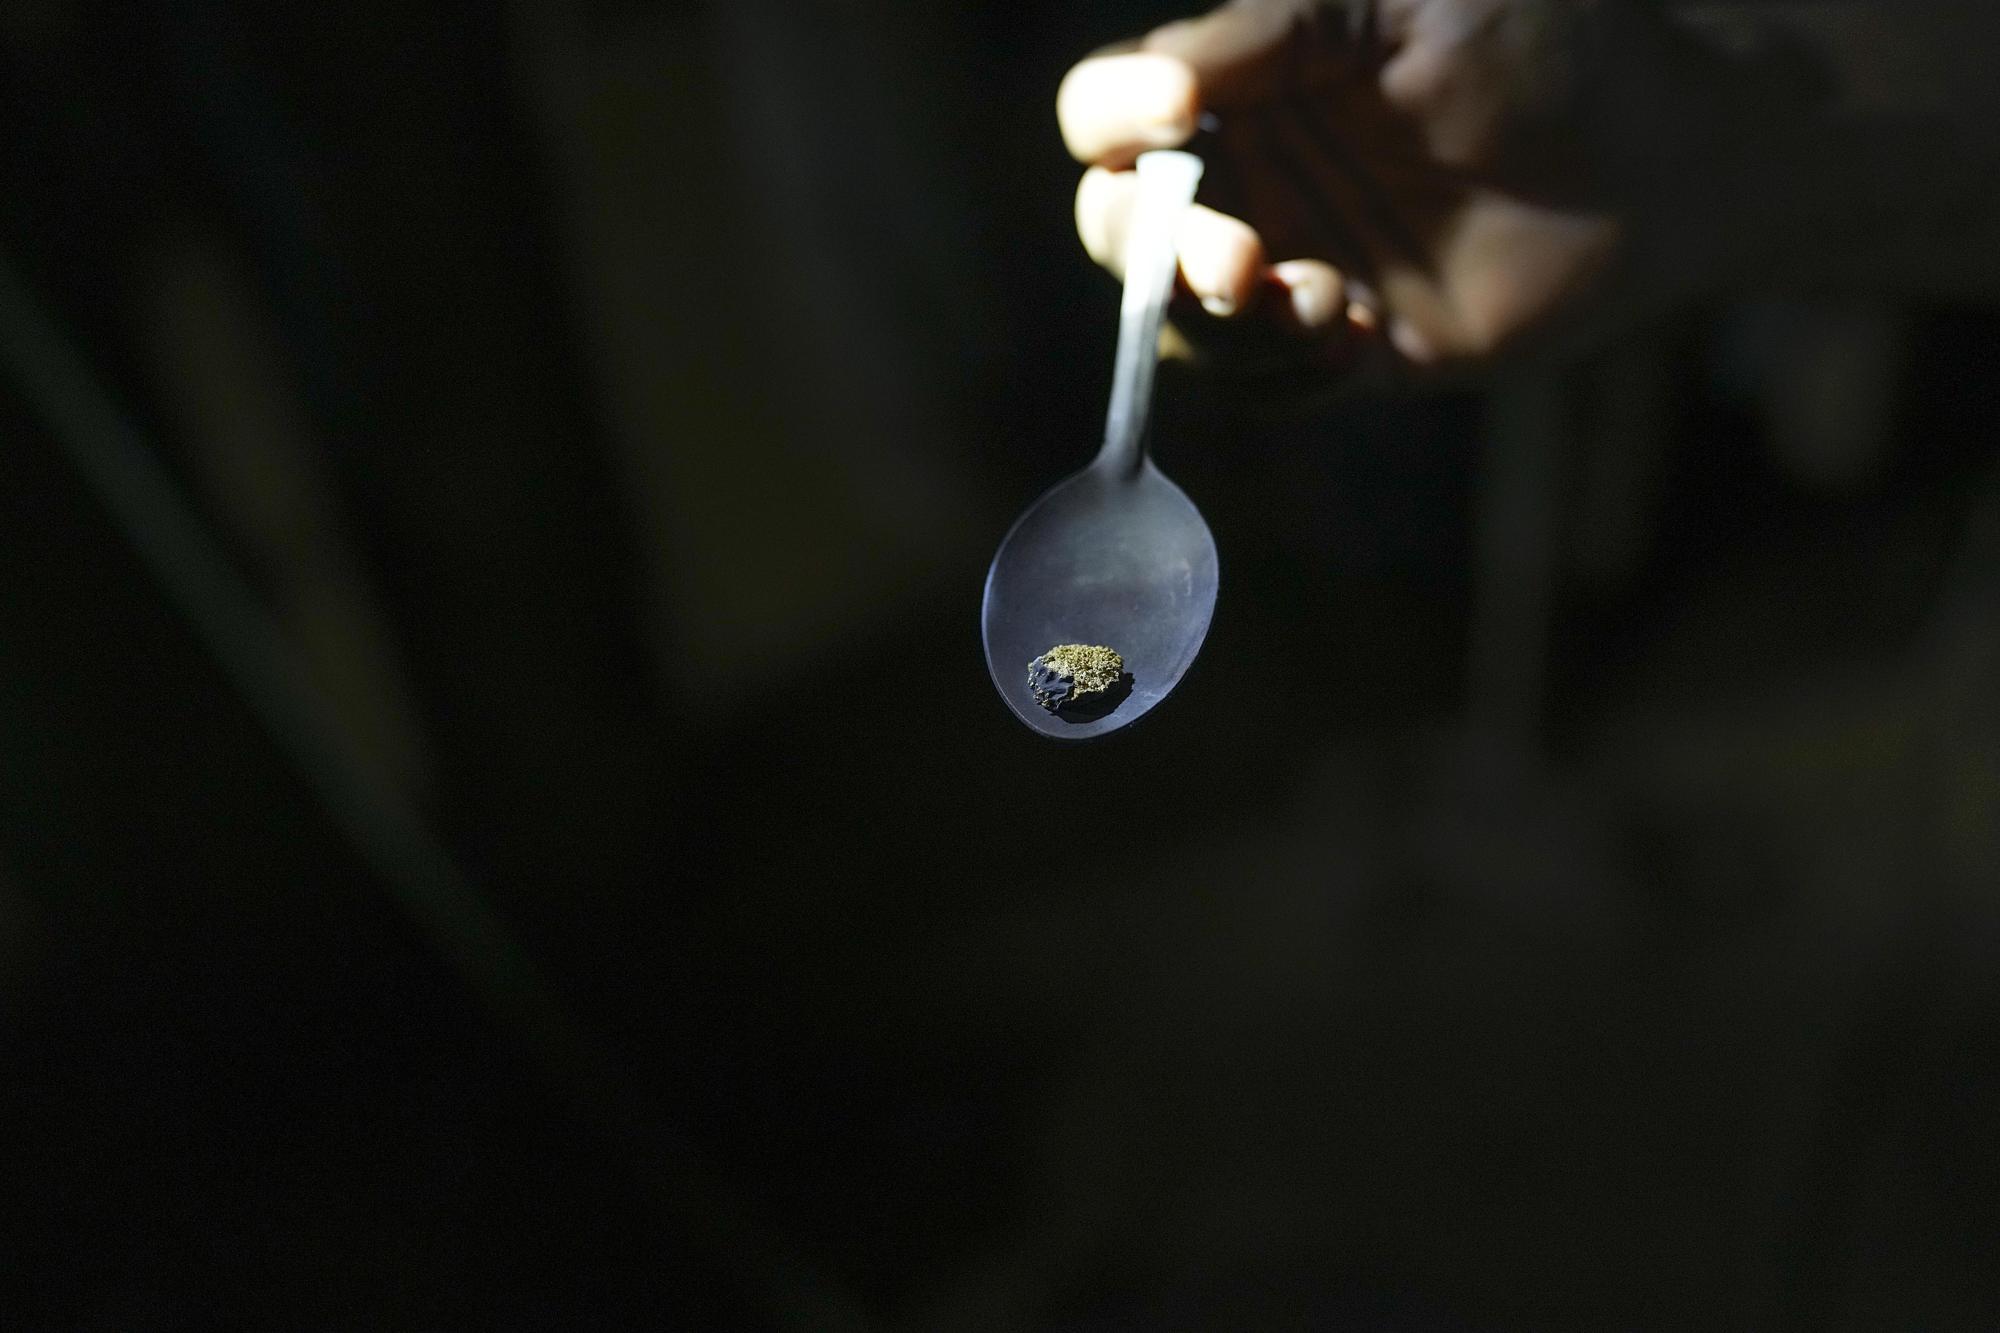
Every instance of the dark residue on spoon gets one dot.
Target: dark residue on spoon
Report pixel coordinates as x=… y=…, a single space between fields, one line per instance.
x=1074 y=675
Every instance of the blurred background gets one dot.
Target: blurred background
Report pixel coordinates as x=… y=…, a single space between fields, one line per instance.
x=471 y=475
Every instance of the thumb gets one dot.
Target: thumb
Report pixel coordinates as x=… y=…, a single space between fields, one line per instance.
x=1235 y=52
x=1149 y=94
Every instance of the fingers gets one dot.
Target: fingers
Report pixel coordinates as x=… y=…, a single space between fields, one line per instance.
x=1103 y=214
x=1115 y=106
x=1223 y=264
x=1315 y=292
x=1222 y=259
x=1112 y=108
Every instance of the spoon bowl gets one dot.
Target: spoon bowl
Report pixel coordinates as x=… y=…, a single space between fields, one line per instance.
x=1117 y=555
x=1126 y=562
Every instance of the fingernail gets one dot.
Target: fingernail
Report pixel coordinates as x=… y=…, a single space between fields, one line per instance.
x=1310 y=297
x=1360 y=316
x=1411 y=343
x=1219 y=306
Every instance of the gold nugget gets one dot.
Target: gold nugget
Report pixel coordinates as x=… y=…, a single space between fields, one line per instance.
x=1072 y=673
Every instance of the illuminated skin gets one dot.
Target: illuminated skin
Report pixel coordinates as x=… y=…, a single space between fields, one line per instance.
x=1441 y=179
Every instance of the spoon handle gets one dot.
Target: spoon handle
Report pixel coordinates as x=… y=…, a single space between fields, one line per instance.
x=1167 y=181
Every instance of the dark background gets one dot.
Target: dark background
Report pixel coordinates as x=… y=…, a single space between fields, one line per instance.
x=506 y=824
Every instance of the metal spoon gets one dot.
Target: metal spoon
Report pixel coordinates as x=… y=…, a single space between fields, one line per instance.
x=1116 y=555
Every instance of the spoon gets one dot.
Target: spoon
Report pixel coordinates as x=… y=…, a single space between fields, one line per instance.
x=1116 y=555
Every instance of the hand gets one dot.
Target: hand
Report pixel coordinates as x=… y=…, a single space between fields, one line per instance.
x=1452 y=172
